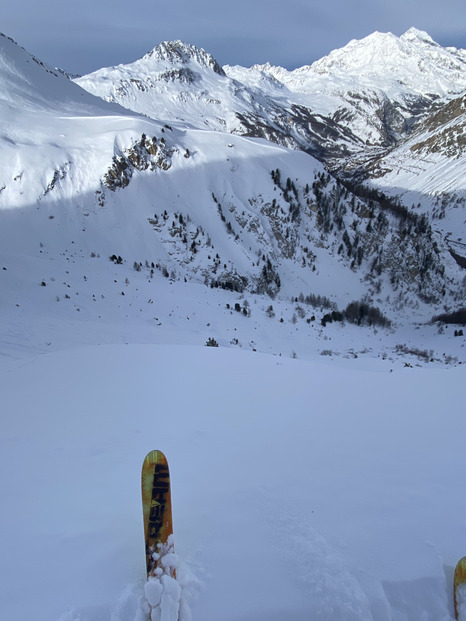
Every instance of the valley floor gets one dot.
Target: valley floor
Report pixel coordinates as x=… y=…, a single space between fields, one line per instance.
x=51 y=306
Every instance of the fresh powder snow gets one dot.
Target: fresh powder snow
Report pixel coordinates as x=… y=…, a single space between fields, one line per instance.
x=299 y=488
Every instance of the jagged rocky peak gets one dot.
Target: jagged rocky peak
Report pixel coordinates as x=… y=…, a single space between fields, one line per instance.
x=177 y=52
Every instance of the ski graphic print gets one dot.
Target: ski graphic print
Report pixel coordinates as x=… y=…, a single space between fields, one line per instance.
x=162 y=592
x=156 y=506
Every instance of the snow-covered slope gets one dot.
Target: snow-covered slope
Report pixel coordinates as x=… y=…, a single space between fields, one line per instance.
x=52 y=133
x=384 y=108
x=428 y=169
x=432 y=160
x=30 y=85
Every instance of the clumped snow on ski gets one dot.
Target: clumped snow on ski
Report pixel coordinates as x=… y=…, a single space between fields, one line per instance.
x=162 y=592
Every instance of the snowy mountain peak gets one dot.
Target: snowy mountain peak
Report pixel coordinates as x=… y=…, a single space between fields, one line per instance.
x=382 y=54
x=415 y=35
x=177 y=52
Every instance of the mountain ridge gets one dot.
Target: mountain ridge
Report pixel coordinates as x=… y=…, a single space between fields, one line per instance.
x=178 y=51
x=339 y=116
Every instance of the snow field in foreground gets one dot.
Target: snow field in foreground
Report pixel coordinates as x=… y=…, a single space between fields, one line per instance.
x=300 y=489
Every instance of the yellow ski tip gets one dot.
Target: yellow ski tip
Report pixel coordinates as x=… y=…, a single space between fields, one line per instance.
x=458 y=580
x=154 y=457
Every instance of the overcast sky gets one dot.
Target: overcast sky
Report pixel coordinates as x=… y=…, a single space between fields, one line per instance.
x=84 y=35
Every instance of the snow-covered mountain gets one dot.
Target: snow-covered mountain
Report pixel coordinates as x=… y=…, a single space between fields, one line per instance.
x=357 y=100
x=180 y=83
x=240 y=214
x=384 y=111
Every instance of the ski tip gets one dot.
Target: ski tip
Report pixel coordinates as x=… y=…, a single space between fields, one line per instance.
x=459 y=581
x=154 y=457
x=460 y=571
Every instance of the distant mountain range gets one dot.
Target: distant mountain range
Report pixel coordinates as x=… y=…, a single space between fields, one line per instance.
x=348 y=108
x=356 y=189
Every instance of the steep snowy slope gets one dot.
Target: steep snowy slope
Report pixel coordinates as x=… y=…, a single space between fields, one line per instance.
x=432 y=159
x=29 y=84
x=384 y=108
x=190 y=203
x=52 y=132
